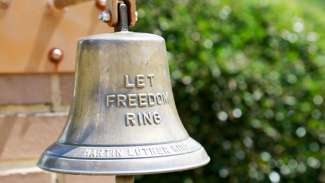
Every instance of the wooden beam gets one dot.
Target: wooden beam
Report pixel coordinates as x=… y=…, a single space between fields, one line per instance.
x=124 y=179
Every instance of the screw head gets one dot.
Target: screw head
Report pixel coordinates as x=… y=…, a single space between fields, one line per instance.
x=104 y=16
x=56 y=55
x=101 y=4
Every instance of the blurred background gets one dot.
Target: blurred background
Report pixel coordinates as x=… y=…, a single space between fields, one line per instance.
x=248 y=80
x=249 y=83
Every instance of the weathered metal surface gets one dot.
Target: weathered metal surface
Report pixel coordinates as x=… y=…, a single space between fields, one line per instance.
x=29 y=29
x=123 y=120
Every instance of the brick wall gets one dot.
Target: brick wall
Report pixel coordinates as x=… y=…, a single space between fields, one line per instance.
x=33 y=110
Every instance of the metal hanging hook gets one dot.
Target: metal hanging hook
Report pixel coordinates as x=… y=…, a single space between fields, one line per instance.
x=123 y=24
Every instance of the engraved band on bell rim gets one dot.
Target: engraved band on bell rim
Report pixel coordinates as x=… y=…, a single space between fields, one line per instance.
x=130 y=152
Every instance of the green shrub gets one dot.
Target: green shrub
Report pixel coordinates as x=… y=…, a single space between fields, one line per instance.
x=249 y=85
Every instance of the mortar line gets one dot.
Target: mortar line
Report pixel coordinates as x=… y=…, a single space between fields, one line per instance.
x=56 y=99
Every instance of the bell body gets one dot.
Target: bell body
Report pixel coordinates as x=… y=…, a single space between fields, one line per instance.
x=123 y=119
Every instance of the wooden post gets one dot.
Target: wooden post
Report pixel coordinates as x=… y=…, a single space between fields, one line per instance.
x=124 y=179
x=60 y=4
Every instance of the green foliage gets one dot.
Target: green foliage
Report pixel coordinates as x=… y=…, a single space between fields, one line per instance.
x=249 y=85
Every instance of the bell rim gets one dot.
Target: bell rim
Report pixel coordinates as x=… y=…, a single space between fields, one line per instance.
x=141 y=166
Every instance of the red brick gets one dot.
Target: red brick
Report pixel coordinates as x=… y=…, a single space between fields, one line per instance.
x=25 y=89
x=88 y=179
x=35 y=177
x=27 y=137
x=66 y=87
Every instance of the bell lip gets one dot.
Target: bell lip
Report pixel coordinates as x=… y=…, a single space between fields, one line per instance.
x=142 y=166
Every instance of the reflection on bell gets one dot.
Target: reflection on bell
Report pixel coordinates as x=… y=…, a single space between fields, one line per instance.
x=123 y=119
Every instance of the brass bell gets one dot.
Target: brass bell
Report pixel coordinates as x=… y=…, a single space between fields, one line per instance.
x=123 y=119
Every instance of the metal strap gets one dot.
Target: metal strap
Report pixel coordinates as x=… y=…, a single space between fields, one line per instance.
x=113 y=9
x=123 y=24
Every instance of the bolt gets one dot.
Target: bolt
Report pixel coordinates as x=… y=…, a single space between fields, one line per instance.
x=104 y=16
x=4 y=4
x=101 y=4
x=56 y=55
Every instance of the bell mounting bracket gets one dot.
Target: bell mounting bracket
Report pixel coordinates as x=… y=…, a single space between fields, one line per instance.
x=113 y=10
